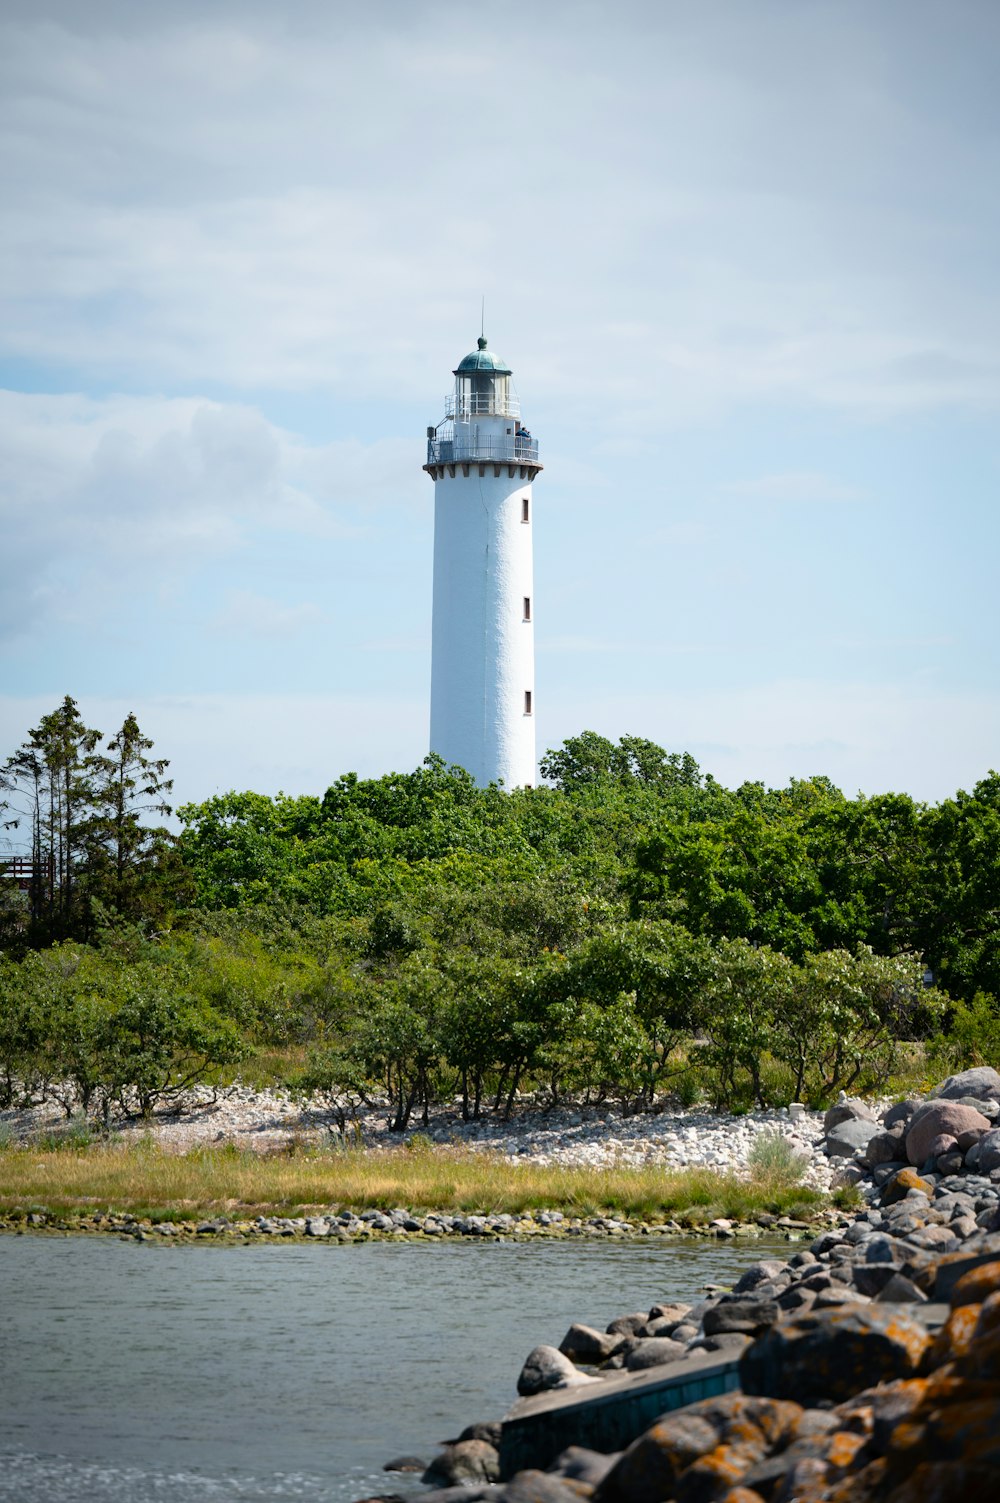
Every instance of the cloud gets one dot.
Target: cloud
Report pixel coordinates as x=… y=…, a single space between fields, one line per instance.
x=103 y=498
x=777 y=208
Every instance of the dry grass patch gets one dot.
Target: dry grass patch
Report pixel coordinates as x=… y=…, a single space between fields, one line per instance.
x=138 y=1176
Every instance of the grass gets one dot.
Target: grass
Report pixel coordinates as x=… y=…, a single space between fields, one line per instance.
x=138 y=1177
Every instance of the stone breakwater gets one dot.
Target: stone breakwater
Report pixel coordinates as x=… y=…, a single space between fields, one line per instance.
x=401 y=1225
x=845 y=1393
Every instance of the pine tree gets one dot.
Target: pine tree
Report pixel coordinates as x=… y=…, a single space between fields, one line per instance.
x=124 y=853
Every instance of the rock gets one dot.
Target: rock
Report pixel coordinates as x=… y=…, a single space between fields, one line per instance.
x=648 y=1470
x=989 y=1151
x=847 y=1111
x=652 y=1351
x=627 y=1325
x=884 y=1147
x=871 y=1278
x=488 y=1430
x=901 y=1112
x=942 y=1144
x=539 y=1487
x=584 y=1344
x=901 y=1291
x=982 y=1081
x=951 y=1266
x=669 y=1312
x=405 y=1464
x=976 y=1285
x=825 y=1355
x=465 y=1461
x=740 y=1312
x=936 y=1117
x=581 y=1465
x=847 y=1137
x=546 y=1368
x=902 y=1183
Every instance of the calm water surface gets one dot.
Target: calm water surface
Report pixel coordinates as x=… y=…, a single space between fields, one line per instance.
x=139 y=1371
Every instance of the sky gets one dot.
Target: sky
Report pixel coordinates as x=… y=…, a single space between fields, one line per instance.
x=741 y=256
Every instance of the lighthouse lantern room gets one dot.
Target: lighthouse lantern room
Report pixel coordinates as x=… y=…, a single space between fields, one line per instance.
x=483 y=461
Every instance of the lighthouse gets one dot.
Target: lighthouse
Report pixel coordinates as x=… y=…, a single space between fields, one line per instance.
x=483 y=461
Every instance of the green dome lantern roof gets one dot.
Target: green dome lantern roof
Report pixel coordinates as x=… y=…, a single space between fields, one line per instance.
x=482 y=359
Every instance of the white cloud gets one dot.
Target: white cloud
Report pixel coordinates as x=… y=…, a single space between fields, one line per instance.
x=101 y=498
x=766 y=208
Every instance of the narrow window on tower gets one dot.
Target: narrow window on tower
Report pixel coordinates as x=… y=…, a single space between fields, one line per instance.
x=525 y=504
x=527 y=701
x=527 y=607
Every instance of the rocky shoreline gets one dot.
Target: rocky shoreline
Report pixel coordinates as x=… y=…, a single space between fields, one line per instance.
x=846 y=1395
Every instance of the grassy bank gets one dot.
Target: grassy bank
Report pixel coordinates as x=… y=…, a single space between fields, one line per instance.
x=143 y=1179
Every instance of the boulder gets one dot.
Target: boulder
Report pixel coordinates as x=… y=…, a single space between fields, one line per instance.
x=884 y=1147
x=830 y=1354
x=741 y=1312
x=847 y=1111
x=546 y=1368
x=982 y=1082
x=539 y=1487
x=584 y=1344
x=648 y=1471
x=581 y=1465
x=465 y=1461
x=989 y=1151
x=844 y=1140
x=936 y=1117
x=901 y=1112
x=757 y=1274
x=902 y=1183
x=652 y=1467
x=405 y=1464
x=653 y=1351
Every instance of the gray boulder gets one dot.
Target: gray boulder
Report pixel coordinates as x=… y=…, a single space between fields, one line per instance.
x=989 y=1151
x=901 y=1112
x=757 y=1274
x=653 y=1351
x=581 y=1465
x=465 y=1461
x=742 y=1313
x=982 y=1082
x=847 y=1111
x=583 y=1344
x=886 y=1146
x=546 y=1368
x=844 y=1140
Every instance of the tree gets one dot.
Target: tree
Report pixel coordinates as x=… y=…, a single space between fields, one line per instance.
x=125 y=857
x=48 y=794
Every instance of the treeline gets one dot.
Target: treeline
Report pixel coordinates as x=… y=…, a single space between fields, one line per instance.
x=629 y=928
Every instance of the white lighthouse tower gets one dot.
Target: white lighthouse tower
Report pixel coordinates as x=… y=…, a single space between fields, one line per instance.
x=483 y=462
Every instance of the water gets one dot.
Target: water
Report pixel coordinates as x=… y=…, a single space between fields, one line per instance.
x=235 y=1374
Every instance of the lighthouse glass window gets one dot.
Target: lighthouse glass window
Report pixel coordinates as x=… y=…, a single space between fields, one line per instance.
x=527 y=701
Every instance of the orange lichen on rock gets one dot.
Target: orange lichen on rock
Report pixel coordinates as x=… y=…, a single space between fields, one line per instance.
x=976 y=1285
x=711 y=1477
x=954 y=1336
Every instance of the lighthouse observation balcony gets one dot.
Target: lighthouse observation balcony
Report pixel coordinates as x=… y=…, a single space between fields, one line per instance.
x=488 y=448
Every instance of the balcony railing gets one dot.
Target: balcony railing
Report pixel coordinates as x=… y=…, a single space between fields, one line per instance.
x=491 y=448
x=481 y=404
